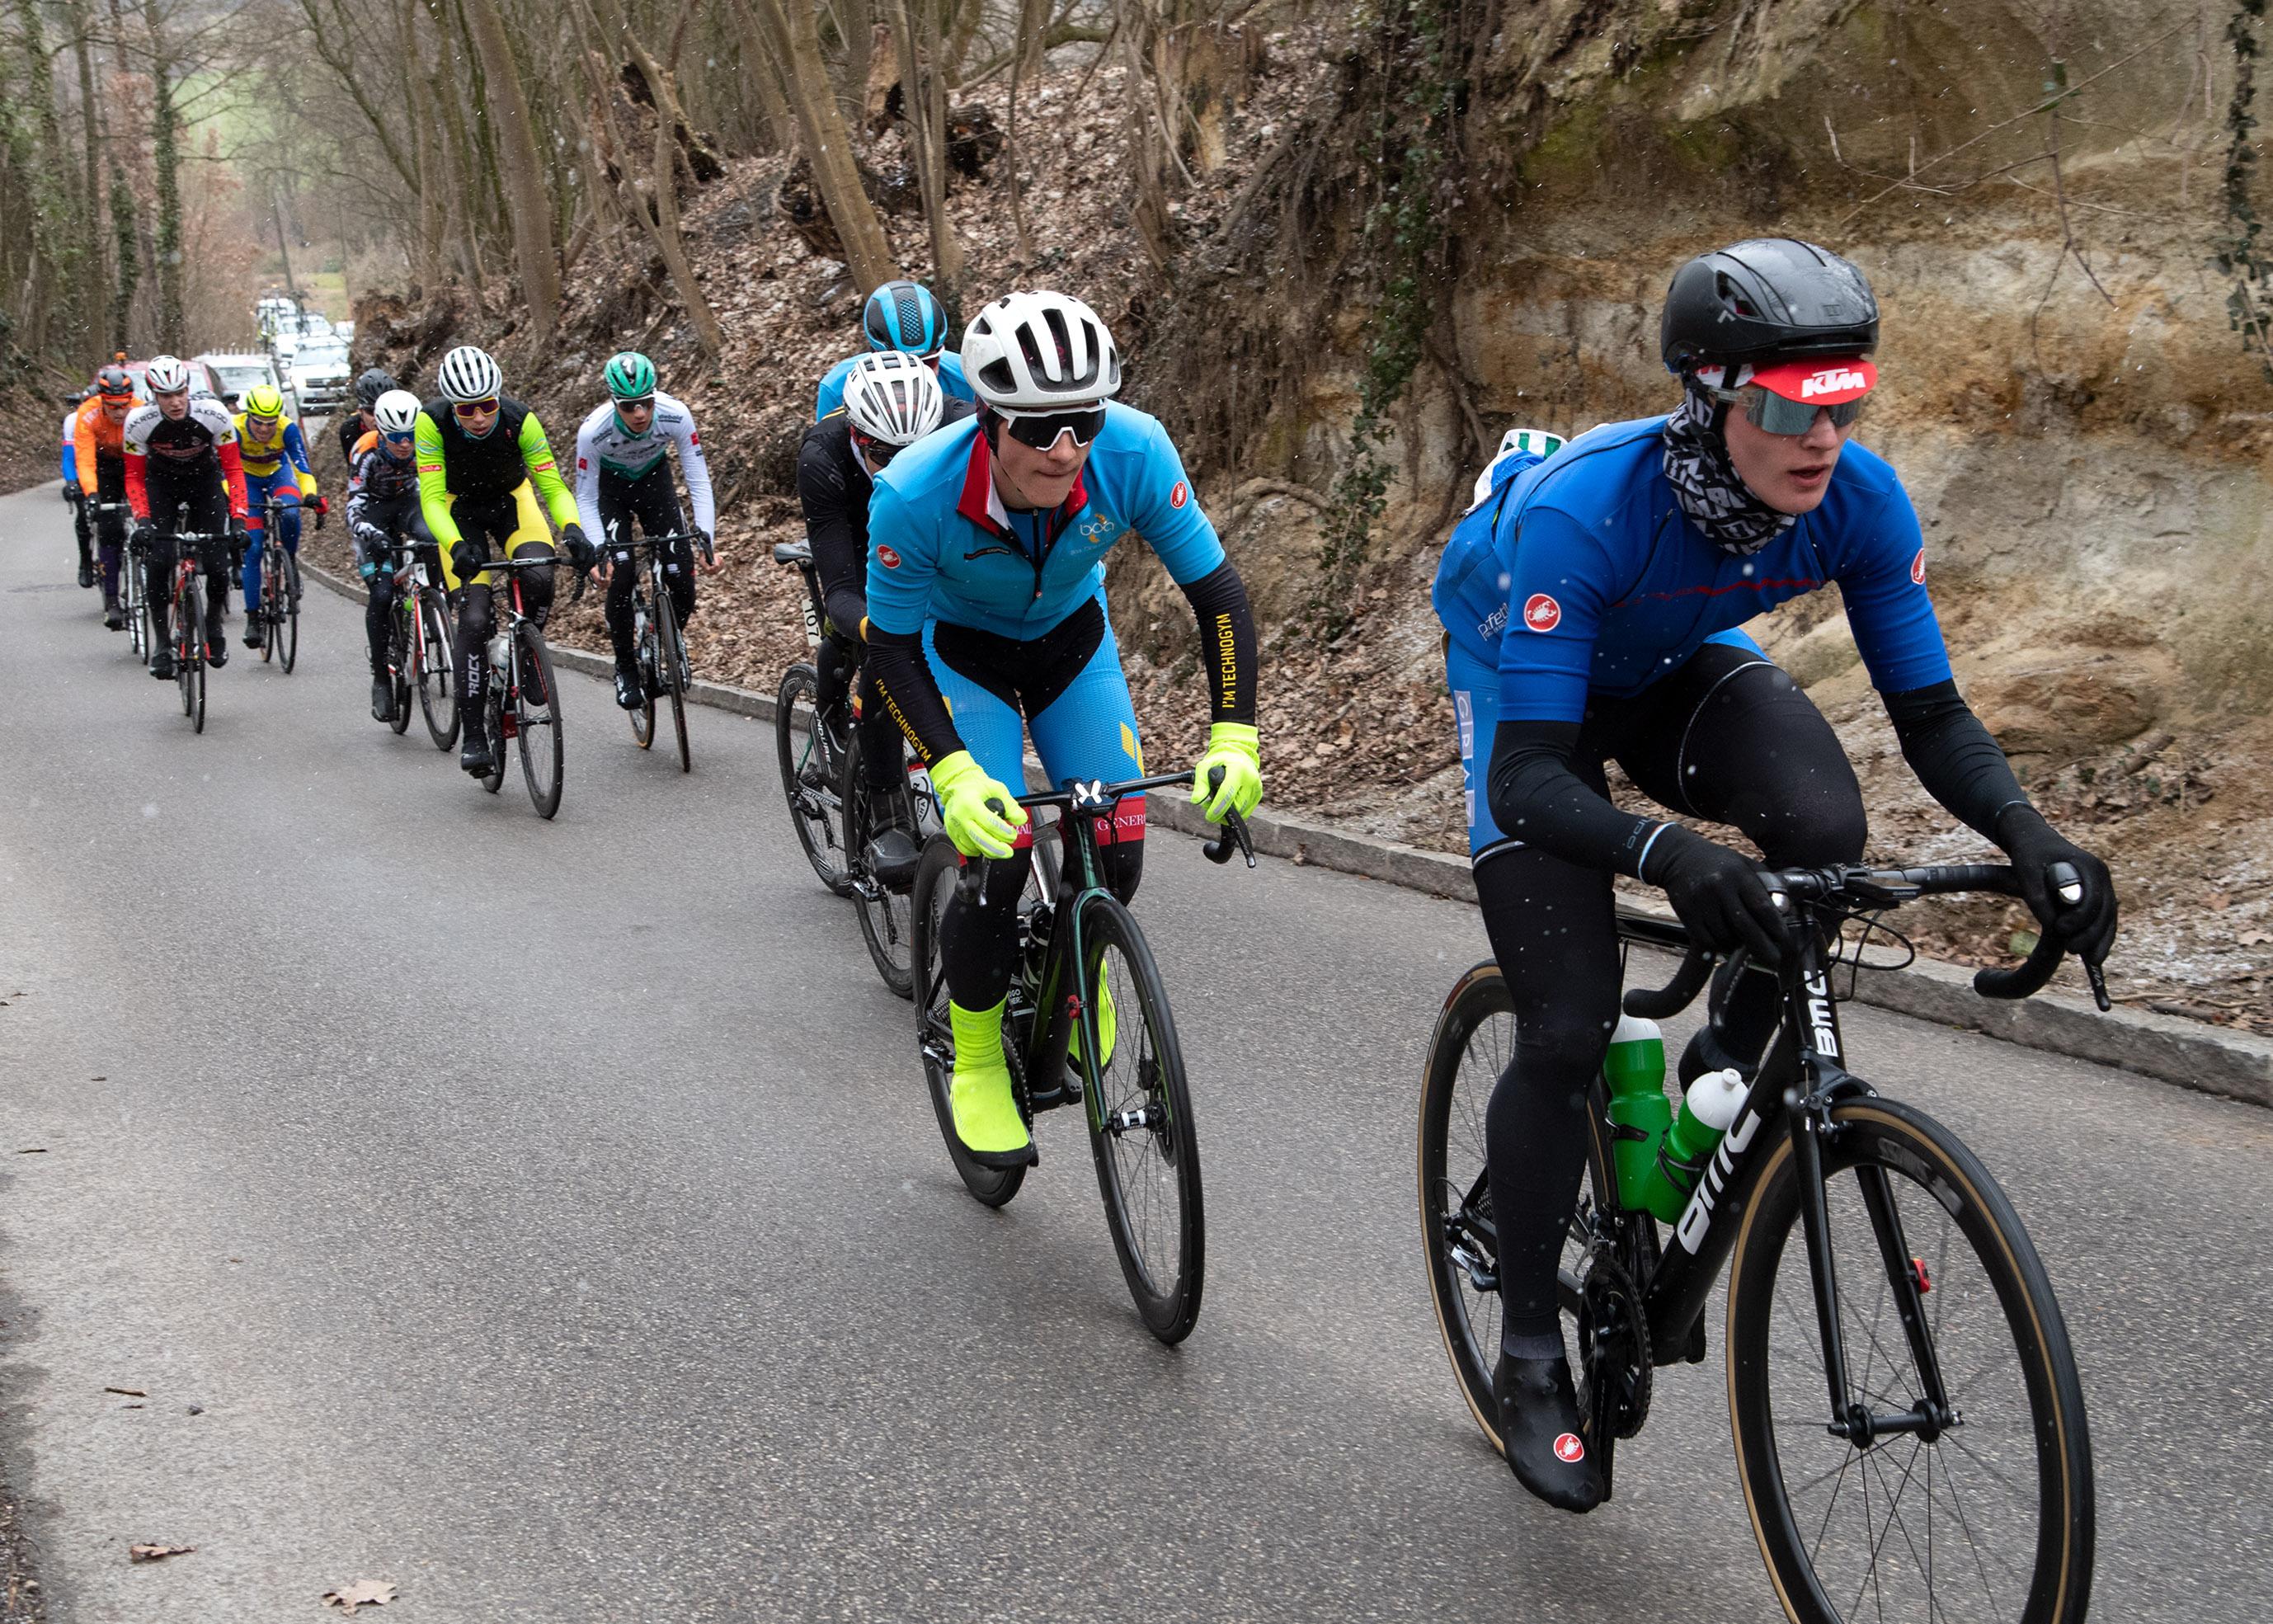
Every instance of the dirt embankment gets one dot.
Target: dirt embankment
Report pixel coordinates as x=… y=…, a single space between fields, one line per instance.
x=2082 y=436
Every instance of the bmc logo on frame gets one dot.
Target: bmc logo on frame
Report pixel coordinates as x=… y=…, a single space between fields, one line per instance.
x=1831 y=380
x=887 y=557
x=1541 y=612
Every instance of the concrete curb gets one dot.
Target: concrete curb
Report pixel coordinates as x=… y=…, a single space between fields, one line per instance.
x=2235 y=1065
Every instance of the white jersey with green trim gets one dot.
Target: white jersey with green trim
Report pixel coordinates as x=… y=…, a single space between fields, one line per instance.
x=602 y=443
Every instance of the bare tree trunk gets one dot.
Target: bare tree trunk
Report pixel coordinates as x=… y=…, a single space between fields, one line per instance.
x=166 y=154
x=923 y=93
x=97 y=274
x=1026 y=59
x=658 y=214
x=526 y=199
x=795 y=29
x=762 y=60
x=426 y=154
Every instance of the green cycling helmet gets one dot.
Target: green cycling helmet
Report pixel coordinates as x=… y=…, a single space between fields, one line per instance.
x=630 y=375
x=264 y=401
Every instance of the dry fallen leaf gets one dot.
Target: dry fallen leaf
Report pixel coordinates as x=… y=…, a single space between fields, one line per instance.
x=363 y=1592
x=2251 y=938
x=2216 y=902
x=156 y=1553
x=127 y=1392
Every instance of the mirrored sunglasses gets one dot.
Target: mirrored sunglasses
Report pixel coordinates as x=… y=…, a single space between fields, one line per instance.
x=1765 y=409
x=477 y=408
x=1041 y=429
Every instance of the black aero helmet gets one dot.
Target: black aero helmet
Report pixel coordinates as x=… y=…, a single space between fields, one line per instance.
x=373 y=384
x=1770 y=298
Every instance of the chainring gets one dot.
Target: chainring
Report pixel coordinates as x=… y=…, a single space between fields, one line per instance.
x=1613 y=1341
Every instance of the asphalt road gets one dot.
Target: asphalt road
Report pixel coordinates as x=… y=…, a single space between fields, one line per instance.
x=549 y=1218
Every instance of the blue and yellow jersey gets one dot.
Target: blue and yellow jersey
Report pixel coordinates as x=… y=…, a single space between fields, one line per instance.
x=265 y=459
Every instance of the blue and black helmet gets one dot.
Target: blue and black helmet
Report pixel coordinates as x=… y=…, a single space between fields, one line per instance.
x=905 y=316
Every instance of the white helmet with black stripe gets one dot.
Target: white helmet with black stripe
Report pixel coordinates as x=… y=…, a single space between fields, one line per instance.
x=468 y=373
x=395 y=413
x=892 y=396
x=1039 y=352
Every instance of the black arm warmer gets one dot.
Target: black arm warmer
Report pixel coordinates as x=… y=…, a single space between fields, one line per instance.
x=1218 y=599
x=1953 y=755
x=904 y=683
x=833 y=495
x=1536 y=798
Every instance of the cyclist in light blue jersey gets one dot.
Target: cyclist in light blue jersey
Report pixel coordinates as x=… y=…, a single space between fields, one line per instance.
x=986 y=541
x=902 y=316
x=1592 y=601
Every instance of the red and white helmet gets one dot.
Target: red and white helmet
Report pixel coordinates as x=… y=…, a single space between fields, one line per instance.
x=166 y=375
x=892 y=396
x=1039 y=352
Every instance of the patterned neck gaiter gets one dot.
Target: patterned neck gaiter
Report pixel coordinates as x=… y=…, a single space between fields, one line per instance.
x=1706 y=485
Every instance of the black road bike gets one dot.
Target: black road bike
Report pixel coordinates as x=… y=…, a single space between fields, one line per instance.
x=185 y=627
x=657 y=638
x=524 y=703
x=812 y=741
x=1909 y=1425
x=422 y=646
x=1086 y=1024
x=277 y=612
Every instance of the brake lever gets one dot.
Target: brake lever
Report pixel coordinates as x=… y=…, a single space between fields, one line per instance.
x=1234 y=829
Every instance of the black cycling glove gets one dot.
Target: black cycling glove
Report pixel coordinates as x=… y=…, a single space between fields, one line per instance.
x=1717 y=892
x=580 y=550
x=2088 y=925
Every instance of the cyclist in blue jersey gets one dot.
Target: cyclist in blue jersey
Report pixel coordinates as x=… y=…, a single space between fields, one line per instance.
x=986 y=541
x=902 y=316
x=1591 y=601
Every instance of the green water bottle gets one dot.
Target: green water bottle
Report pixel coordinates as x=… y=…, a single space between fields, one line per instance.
x=1707 y=1113
x=1634 y=1070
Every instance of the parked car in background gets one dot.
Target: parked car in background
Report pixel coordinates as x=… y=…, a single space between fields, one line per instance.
x=241 y=372
x=319 y=374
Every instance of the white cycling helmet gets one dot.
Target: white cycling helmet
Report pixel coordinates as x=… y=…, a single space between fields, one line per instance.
x=892 y=396
x=396 y=411
x=467 y=373
x=166 y=375
x=1039 y=352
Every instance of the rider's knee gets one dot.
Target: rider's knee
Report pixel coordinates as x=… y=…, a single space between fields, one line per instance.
x=1814 y=830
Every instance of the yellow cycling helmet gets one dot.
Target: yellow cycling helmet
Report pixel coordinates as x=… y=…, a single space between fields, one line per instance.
x=264 y=400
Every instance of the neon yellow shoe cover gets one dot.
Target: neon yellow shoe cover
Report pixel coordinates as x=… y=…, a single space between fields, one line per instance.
x=1107 y=1026
x=986 y=1112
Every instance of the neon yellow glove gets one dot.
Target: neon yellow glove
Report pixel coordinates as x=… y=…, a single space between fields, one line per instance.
x=1236 y=748
x=964 y=789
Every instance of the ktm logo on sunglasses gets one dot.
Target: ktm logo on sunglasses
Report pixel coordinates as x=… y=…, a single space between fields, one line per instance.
x=1832 y=380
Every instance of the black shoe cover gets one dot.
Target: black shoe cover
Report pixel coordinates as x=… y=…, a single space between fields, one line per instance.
x=893 y=859
x=382 y=699
x=1542 y=1435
